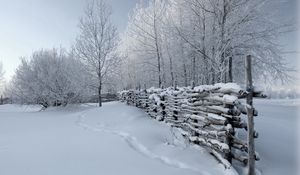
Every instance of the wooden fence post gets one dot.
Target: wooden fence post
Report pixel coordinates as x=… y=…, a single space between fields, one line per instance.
x=250 y=111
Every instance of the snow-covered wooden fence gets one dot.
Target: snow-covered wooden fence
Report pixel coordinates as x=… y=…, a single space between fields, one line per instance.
x=208 y=115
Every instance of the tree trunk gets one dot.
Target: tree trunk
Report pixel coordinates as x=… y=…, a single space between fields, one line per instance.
x=171 y=67
x=194 y=68
x=99 y=93
x=213 y=52
x=159 y=69
x=163 y=72
x=230 y=79
x=206 y=74
x=157 y=51
x=213 y=81
x=183 y=64
x=185 y=75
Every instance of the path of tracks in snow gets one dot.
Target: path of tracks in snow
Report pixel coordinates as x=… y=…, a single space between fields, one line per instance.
x=136 y=145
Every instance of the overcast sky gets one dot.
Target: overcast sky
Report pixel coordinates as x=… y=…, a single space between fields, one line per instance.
x=28 y=25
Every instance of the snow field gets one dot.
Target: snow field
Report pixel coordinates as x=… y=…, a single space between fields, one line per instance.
x=116 y=139
x=120 y=139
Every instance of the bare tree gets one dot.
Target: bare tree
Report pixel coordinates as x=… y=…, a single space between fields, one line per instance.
x=97 y=42
x=203 y=42
x=222 y=31
x=145 y=25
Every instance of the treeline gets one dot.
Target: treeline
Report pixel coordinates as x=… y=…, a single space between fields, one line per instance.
x=201 y=42
x=167 y=43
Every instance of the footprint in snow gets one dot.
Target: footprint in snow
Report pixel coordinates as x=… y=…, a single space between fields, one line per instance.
x=134 y=144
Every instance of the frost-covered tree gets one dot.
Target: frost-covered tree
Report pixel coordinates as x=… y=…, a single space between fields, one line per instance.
x=97 y=42
x=145 y=26
x=50 y=78
x=202 y=42
x=221 y=30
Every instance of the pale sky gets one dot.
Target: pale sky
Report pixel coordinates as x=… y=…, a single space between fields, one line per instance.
x=29 y=25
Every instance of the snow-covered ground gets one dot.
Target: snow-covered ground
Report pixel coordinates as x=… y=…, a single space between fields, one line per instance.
x=278 y=142
x=86 y=140
x=120 y=139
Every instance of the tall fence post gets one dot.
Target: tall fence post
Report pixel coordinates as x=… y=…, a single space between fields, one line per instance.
x=250 y=111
